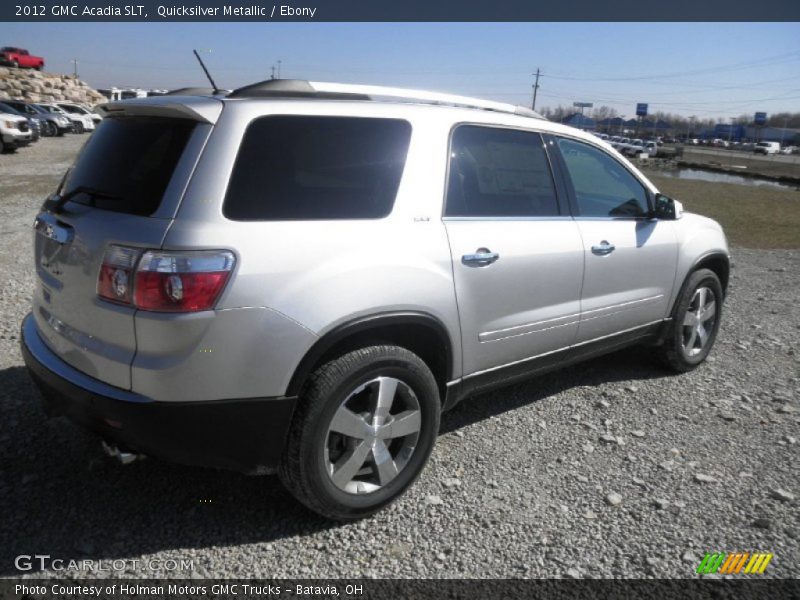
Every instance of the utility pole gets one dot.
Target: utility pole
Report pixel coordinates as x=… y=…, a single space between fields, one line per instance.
x=273 y=72
x=535 y=89
x=279 y=69
x=74 y=62
x=783 y=132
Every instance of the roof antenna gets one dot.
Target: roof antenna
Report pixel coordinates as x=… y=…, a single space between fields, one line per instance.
x=202 y=64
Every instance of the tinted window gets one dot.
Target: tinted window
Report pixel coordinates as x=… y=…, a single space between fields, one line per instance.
x=603 y=187
x=128 y=163
x=499 y=173
x=307 y=168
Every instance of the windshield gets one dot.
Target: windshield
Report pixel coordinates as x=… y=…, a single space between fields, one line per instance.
x=71 y=109
x=5 y=108
x=128 y=163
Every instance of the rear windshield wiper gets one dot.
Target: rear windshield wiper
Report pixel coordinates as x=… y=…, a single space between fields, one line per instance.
x=58 y=201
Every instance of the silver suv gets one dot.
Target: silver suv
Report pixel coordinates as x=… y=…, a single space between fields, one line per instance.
x=301 y=276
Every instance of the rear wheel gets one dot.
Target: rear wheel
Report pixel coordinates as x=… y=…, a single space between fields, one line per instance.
x=695 y=322
x=49 y=129
x=15 y=64
x=77 y=127
x=363 y=431
x=2 y=146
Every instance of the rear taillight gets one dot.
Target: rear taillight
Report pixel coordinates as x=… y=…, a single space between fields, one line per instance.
x=164 y=281
x=115 y=282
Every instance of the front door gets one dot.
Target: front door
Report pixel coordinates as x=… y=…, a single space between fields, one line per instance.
x=630 y=258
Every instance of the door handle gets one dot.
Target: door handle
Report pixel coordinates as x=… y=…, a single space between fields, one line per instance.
x=482 y=257
x=603 y=249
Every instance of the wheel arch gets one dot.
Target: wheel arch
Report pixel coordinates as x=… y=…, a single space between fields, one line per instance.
x=719 y=263
x=419 y=332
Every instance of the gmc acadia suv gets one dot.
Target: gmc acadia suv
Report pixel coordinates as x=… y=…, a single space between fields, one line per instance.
x=302 y=276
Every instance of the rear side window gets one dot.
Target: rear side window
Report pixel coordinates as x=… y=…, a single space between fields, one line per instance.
x=128 y=162
x=311 y=168
x=499 y=173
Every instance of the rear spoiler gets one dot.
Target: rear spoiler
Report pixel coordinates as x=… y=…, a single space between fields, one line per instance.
x=202 y=109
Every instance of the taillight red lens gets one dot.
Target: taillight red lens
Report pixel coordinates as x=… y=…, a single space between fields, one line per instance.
x=181 y=281
x=178 y=292
x=115 y=281
x=177 y=281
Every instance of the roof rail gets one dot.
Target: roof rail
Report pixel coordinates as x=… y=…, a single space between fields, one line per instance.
x=346 y=91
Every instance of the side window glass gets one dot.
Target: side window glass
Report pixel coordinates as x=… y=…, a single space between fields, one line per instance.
x=603 y=187
x=499 y=173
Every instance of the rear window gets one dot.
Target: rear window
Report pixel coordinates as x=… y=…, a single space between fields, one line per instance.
x=311 y=168
x=128 y=162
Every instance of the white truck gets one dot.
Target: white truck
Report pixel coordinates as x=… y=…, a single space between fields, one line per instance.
x=14 y=132
x=767 y=148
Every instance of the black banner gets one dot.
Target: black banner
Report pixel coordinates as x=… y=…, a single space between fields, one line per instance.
x=400 y=10
x=395 y=589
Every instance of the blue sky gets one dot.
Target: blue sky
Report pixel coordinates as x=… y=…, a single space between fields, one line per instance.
x=716 y=70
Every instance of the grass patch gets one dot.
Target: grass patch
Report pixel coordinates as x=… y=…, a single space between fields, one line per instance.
x=753 y=217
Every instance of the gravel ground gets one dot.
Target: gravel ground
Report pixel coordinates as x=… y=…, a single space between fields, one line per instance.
x=613 y=468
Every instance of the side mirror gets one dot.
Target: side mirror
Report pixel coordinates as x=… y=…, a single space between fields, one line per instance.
x=666 y=208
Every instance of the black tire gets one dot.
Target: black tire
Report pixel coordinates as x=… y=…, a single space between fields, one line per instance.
x=15 y=64
x=304 y=469
x=683 y=349
x=49 y=129
x=78 y=128
x=2 y=146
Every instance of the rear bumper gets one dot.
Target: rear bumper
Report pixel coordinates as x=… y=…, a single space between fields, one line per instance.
x=244 y=435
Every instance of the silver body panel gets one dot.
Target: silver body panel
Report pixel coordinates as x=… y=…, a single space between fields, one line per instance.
x=295 y=281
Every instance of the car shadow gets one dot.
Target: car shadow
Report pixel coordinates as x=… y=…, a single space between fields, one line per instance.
x=62 y=497
x=630 y=364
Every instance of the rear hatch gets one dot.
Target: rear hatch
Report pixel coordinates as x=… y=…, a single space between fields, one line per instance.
x=124 y=189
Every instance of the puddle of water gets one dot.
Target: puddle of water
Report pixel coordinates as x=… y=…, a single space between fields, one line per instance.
x=715 y=177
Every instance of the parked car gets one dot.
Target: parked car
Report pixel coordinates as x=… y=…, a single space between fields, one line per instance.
x=52 y=124
x=14 y=132
x=633 y=147
x=19 y=57
x=81 y=123
x=273 y=280
x=79 y=109
x=34 y=123
x=790 y=150
x=767 y=148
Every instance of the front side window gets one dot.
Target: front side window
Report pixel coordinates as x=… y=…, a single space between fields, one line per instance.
x=603 y=186
x=499 y=173
x=292 y=168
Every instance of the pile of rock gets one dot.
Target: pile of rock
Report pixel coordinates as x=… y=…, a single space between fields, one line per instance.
x=36 y=86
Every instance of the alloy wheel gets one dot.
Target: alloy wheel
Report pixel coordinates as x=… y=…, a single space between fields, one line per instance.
x=372 y=435
x=698 y=322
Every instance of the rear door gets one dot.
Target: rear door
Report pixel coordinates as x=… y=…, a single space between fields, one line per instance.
x=630 y=258
x=517 y=256
x=124 y=190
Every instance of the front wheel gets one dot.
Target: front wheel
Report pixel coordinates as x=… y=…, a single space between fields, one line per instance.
x=48 y=129
x=363 y=431
x=695 y=322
